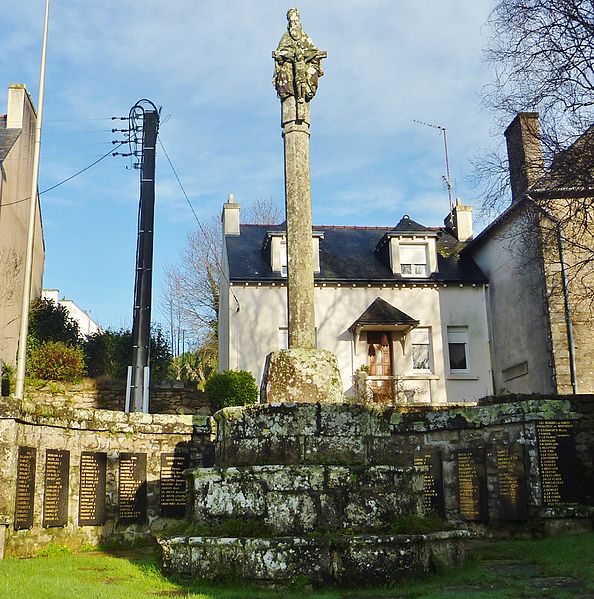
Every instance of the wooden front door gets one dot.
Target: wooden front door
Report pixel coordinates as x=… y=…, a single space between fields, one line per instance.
x=379 y=353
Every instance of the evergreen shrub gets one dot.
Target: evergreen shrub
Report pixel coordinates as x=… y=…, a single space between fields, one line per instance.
x=7 y=380
x=231 y=388
x=49 y=321
x=109 y=353
x=55 y=361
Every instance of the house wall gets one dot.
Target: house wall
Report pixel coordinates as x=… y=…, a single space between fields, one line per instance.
x=518 y=315
x=254 y=331
x=86 y=325
x=578 y=241
x=15 y=185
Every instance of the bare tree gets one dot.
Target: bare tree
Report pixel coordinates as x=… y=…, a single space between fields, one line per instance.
x=190 y=297
x=542 y=55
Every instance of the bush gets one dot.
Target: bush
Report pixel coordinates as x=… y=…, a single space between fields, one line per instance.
x=7 y=380
x=109 y=353
x=231 y=388
x=55 y=361
x=49 y=321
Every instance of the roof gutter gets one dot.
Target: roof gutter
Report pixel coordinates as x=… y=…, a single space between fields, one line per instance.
x=565 y=285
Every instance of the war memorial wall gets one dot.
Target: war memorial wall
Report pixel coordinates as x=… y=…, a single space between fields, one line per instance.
x=75 y=476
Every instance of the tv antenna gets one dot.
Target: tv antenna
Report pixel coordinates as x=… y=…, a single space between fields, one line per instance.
x=447 y=179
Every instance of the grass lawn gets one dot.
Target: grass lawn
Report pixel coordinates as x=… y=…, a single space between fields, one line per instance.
x=554 y=567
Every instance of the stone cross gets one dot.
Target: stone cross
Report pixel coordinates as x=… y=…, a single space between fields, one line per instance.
x=297 y=69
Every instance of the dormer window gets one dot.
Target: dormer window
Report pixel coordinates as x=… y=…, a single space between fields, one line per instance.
x=410 y=249
x=275 y=245
x=413 y=260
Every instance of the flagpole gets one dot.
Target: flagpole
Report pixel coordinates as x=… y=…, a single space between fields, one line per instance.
x=24 y=328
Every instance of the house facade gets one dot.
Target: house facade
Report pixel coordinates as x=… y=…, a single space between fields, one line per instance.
x=17 y=139
x=432 y=314
x=539 y=258
x=403 y=312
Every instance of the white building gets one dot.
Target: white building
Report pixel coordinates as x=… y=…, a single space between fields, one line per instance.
x=86 y=325
x=398 y=303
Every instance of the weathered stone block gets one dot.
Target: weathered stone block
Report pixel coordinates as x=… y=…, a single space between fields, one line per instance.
x=345 y=420
x=302 y=375
x=335 y=450
x=362 y=560
x=267 y=450
x=295 y=512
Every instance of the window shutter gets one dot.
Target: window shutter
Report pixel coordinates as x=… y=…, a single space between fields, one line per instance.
x=413 y=254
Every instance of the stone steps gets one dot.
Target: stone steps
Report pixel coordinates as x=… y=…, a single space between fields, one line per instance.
x=359 y=559
x=304 y=498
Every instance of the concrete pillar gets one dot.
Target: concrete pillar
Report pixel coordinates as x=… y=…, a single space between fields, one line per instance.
x=300 y=281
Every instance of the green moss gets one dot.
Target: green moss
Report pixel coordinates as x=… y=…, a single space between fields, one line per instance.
x=232 y=527
x=417 y=525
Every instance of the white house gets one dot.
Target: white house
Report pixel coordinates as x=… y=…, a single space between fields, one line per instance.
x=431 y=312
x=86 y=325
x=396 y=302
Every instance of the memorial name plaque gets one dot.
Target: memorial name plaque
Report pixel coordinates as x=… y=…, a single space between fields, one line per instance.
x=173 y=485
x=472 y=484
x=55 y=494
x=132 y=488
x=25 y=488
x=557 y=459
x=429 y=460
x=511 y=476
x=91 y=502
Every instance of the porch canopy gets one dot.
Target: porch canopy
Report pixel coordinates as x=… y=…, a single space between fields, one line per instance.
x=382 y=316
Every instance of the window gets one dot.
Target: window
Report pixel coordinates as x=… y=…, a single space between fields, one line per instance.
x=458 y=349
x=379 y=356
x=413 y=260
x=421 y=349
x=283 y=258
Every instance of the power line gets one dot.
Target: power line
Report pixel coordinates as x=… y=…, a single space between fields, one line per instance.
x=86 y=168
x=198 y=220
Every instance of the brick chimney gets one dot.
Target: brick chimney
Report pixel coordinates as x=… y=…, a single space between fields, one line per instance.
x=230 y=216
x=524 y=152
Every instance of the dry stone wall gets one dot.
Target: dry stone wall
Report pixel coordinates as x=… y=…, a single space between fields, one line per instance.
x=166 y=397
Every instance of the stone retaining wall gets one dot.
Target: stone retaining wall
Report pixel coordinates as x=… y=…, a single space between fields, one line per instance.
x=166 y=397
x=118 y=436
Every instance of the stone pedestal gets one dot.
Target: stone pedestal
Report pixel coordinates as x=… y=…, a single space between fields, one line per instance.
x=333 y=511
x=302 y=376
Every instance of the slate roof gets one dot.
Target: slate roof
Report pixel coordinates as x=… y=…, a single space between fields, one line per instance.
x=8 y=138
x=408 y=225
x=382 y=312
x=347 y=254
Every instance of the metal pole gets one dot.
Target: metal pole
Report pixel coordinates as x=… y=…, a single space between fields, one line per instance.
x=24 y=328
x=447 y=162
x=141 y=329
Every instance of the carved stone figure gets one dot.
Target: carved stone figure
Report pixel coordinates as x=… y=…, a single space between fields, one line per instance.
x=298 y=62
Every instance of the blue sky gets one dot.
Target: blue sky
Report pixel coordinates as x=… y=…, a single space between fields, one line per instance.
x=208 y=64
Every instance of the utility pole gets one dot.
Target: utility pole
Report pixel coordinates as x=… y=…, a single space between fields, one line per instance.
x=137 y=393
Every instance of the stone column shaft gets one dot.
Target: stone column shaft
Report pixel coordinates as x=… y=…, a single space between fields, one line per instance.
x=300 y=281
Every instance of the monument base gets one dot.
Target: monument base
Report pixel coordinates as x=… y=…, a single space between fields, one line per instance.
x=301 y=375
